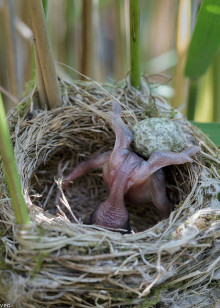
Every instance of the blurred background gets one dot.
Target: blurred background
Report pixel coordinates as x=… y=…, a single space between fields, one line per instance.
x=92 y=37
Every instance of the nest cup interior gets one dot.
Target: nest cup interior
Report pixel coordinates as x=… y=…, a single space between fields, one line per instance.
x=88 y=132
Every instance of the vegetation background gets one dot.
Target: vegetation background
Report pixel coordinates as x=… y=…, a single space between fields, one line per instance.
x=92 y=37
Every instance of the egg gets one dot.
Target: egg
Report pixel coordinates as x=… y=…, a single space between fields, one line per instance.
x=155 y=134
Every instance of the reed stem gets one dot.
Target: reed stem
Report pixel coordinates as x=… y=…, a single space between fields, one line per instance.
x=87 y=39
x=135 y=43
x=11 y=173
x=10 y=35
x=44 y=52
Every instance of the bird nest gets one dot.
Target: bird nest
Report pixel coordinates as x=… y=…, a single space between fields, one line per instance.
x=60 y=262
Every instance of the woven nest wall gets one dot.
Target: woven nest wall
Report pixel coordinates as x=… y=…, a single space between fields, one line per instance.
x=61 y=262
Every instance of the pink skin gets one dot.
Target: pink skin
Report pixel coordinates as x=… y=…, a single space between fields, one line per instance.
x=129 y=177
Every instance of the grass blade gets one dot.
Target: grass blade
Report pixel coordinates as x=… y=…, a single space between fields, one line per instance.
x=45 y=6
x=205 y=39
x=11 y=173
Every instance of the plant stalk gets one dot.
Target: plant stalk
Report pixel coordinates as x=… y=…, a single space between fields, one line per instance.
x=120 y=40
x=40 y=81
x=135 y=43
x=10 y=35
x=180 y=83
x=44 y=52
x=192 y=98
x=11 y=173
x=87 y=39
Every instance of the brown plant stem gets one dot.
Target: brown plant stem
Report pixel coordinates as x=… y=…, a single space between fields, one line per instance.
x=11 y=47
x=44 y=53
x=40 y=81
x=180 y=83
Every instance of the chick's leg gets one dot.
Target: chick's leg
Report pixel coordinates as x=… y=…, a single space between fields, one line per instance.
x=158 y=193
x=123 y=139
x=124 y=136
x=97 y=161
x=160 y=159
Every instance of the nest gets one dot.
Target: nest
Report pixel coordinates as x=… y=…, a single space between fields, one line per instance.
x=60 y=262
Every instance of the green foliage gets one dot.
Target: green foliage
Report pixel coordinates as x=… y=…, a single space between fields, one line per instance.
x=29 y=86
x=2 y=256
x=155 y=294
x=39 y=260
x=216 y=88
x=205 y=39
x=192 y=99
x=45 y=6
x=135 y=43
x=212 y=130
x=23 y=107
x=11 y=173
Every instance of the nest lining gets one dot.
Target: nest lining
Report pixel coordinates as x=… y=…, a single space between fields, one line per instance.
x=60 y=261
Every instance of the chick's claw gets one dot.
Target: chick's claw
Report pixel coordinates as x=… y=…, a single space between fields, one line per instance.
x=65 y=184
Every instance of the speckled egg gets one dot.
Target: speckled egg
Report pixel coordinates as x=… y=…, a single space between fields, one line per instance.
x=155 y=134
